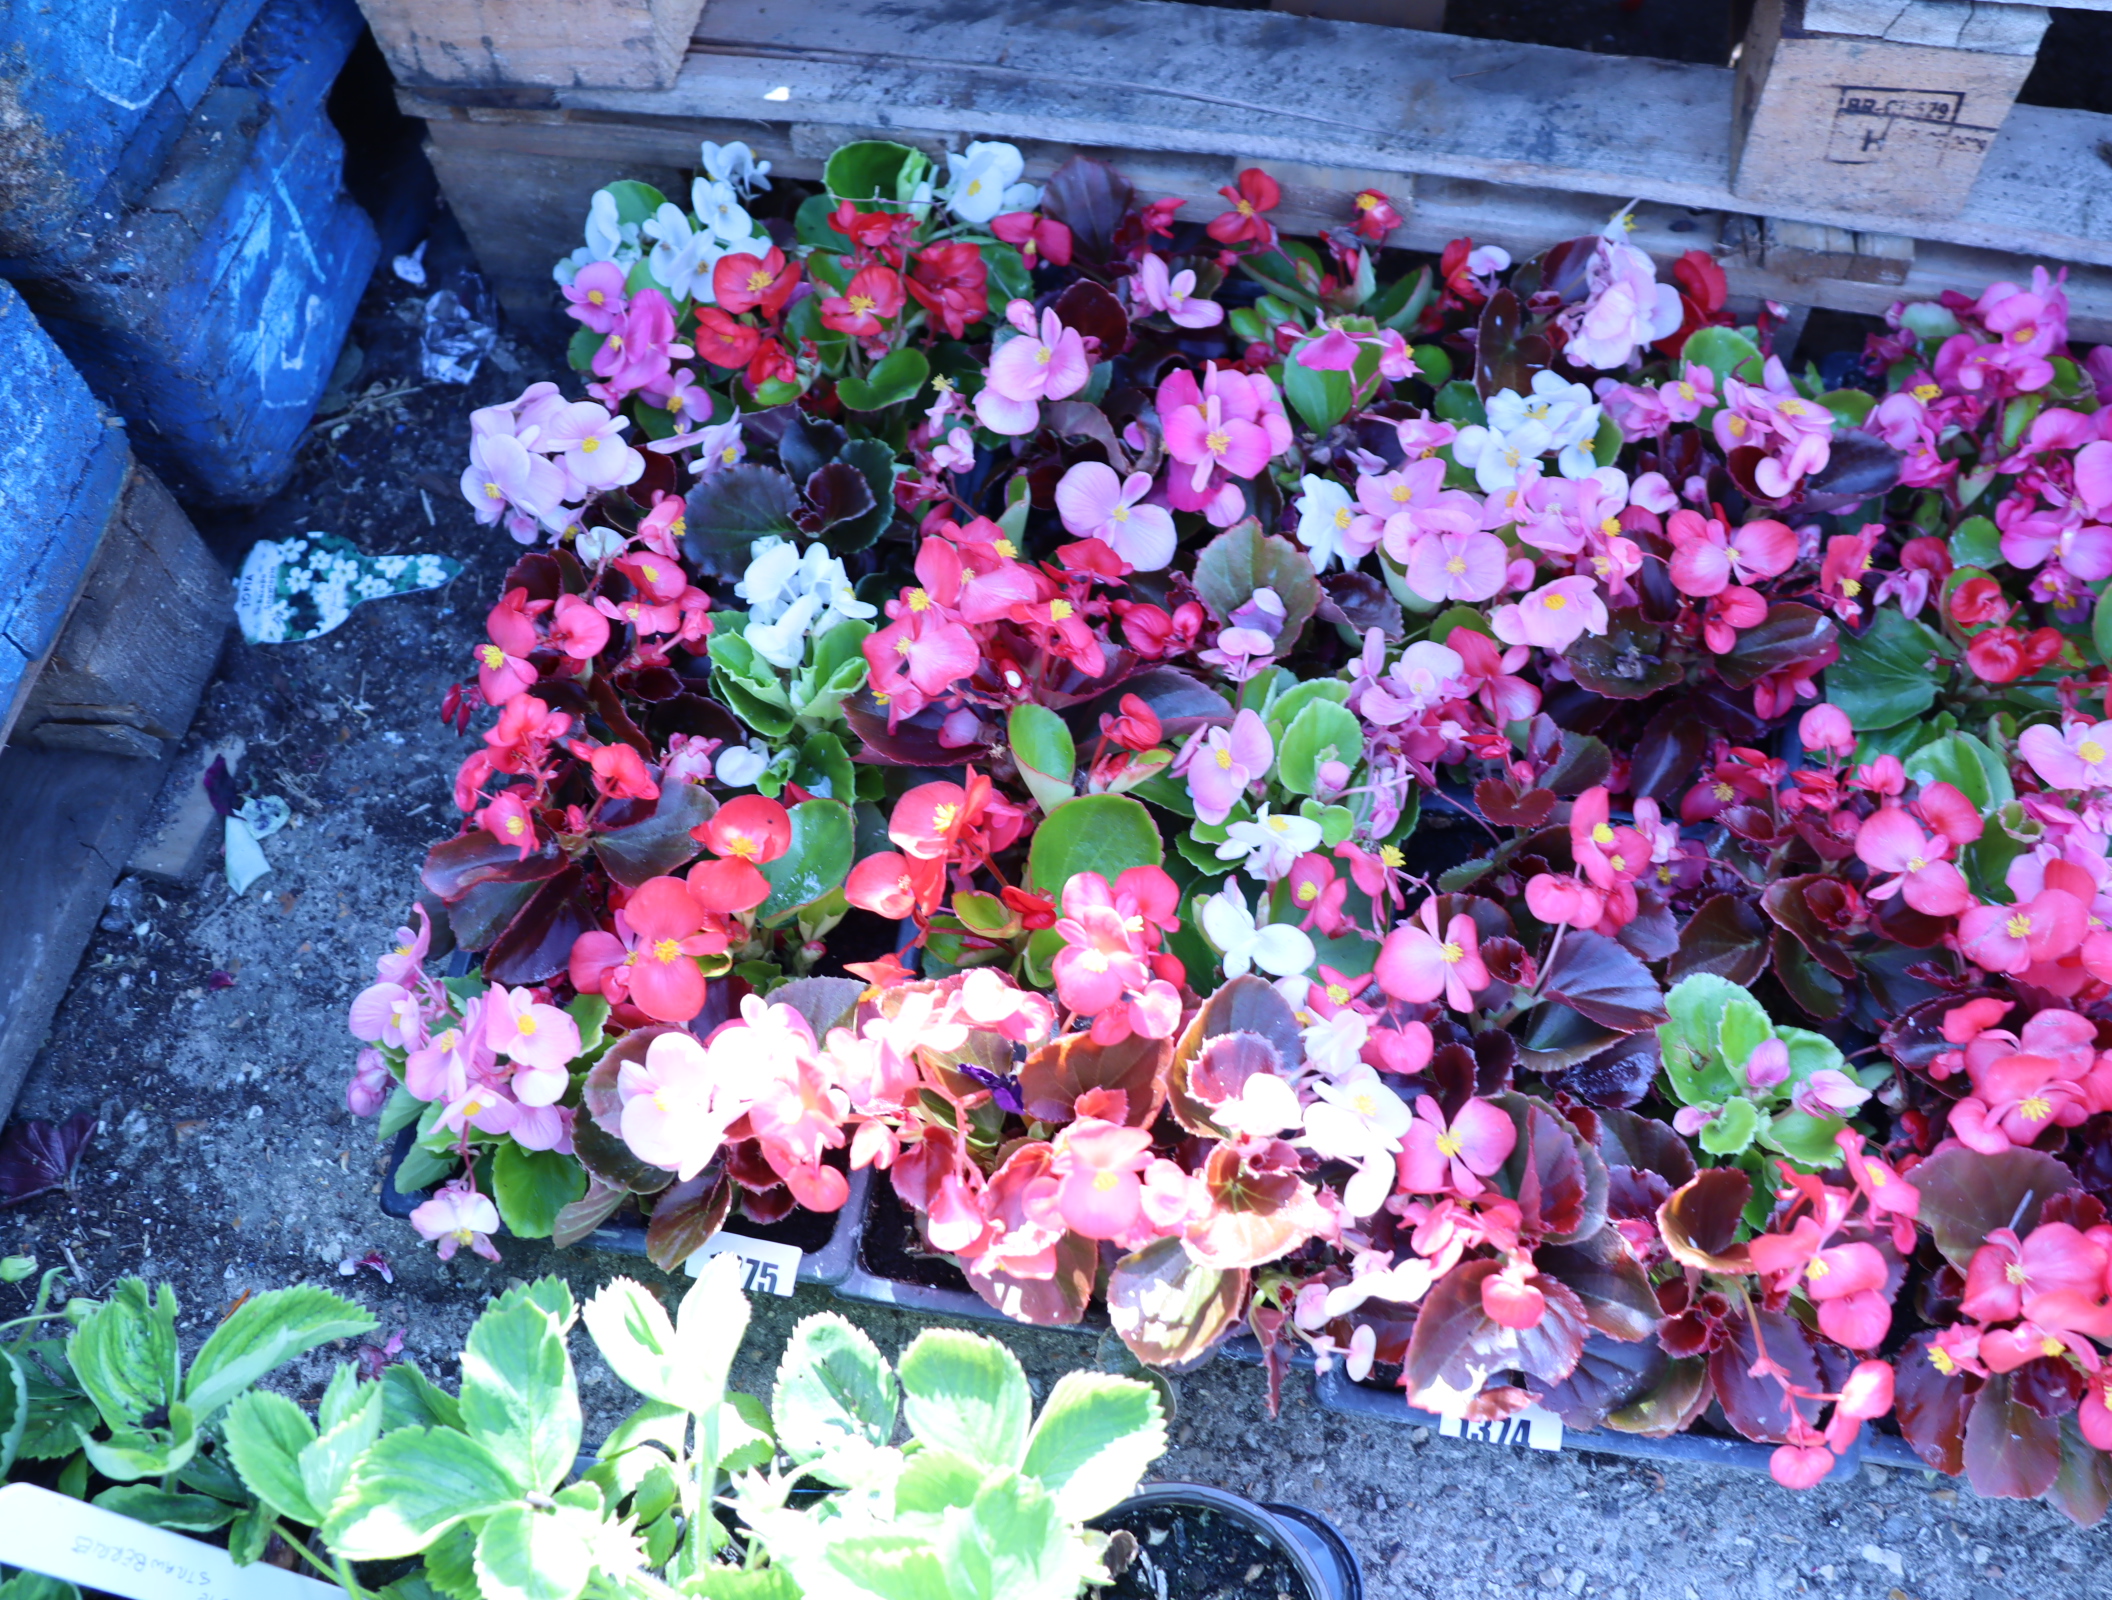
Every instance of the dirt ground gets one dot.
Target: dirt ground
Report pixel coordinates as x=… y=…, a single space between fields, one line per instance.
x=228 y=1162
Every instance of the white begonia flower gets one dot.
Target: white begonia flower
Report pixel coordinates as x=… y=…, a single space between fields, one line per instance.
x=982 y=175
x=1566 y=410
x=734 y=165
x=596 y=545
x=683 y=257
x=607 y=239
x=1270 y=845
x=1498 y=458
x=792 y=597
x=1405 y=1283
x=720 y=213
x=1264 y=1106
x=1277 y=948
x=1325 y=512
x=739 y=765
x=1334 y=1046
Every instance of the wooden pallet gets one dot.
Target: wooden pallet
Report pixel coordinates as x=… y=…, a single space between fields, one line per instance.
x=1518 y=145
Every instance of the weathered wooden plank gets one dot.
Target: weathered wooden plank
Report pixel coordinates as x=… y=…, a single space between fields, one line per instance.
x=1952 y=24
x=519 y=183
x=1130 y=75
x=613 y=43
x=142 y=640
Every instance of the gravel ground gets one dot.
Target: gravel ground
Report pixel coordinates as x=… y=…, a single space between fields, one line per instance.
x=228 y=1163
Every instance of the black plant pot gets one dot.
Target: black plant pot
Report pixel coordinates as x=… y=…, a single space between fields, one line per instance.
x=825 y=1240
x=1195 y=1540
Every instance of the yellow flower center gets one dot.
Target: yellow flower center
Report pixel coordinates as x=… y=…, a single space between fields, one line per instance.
x=904 y=645
x=1279 y=823
x=1005 y=548
x=1724 y=791
x=2018 y=926
x=1103 y=1181
x=1061 y=610
x=1367 y=201
x=590 y=444
x=1456 y=566
x=1851 y=588
x=1602 y=834
x=494 y=491
x=666 y=950
x=515 y=827
x=1686 y=391
x=1925 y=392
x=2036 y=1109
x=1043 y=355
x=491 y=655
x=1817 y=1269
x=2022 y=336
x=1391 y=857
x=1402 y=494
x=1338 y=994
x=758 y=281
x=1224 y=760
x=1244 y=207
x=526 y=1025
x=942 y=816
x=1364 y=1103
x=1119 y=514
x=2050 y=1346
x=1618 y=863
x=744 y=847
x=1555 y=602
x=861 y=304
x=1452 y=953
x=2014 y=1272
x=1448 y=1144
x=1940 y=1359
x=2091 y=751
x=919 y=600
x=1217 y=443
x=1308 y=893
x=1916 y=863
x=1093 y=960
x=1342 y=517
x=1737 y=427
x=596 y=297
x=975 y=185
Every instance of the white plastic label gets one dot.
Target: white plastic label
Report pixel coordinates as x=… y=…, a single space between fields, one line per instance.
x=767 y=1267
x=1532 y=1426
x=70 y=1539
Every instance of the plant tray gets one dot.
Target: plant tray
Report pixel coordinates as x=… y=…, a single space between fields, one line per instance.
x=1333 y=1390
x=826 y=1242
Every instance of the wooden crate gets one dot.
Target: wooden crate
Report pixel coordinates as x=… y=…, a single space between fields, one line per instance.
x=1874 y=104
x=1518 y=145
x=614 y=44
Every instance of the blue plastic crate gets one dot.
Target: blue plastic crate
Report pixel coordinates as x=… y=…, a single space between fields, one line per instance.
x=100 y=91
x=62 y=469
x=211 y=315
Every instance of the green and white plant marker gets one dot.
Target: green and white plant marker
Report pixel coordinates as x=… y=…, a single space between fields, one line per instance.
x=293 y=590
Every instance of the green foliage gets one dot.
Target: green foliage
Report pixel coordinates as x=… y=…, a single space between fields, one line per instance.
x=1046 y=754
x=1713 y=1028
x=1103 y=833
x=1884 y=676
x=816 y=862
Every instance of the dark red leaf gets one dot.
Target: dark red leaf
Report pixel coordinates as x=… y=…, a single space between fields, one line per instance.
x=1592 y=974
x=1359 y=602
x=1700 y=1222
x=1096 y=314
x=1931 y=1406
x=1790 y=633
x=661 y=842
x=1810 y=985
x=37 y=1157
x=1497 y=363
x=1725 y=936
x=1617 y=1078
x=1857 y=468
x=1627 y=662
x=1557 y=1180
x=2051 y=1388
x=2011 y=1452
x=835 y=493
x=1090 y=198
x=537 y=944
x=1611 y=1284
x=1645 y=1144
x=1507 y=804
x=1965 y=1195
x=1671 y=747
x=1608 y=1376
x=1168 y=1307
x=1054 y=1076
x=1457 y=1346
x=2083 y=1489
x=685 y=1217
x=1057 y=1301
x=1757 y=1406
x=454 y=866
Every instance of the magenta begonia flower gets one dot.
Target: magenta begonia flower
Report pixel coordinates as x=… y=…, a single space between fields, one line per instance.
x=2011 y=938
x=1224 y=761
x=455 y=1216
x=1212 y=426
x=1418 y=966
x=1553 y=616
x=1439 y=1156
x=1158 y=290
x=1095 y=504
x=1333 y=351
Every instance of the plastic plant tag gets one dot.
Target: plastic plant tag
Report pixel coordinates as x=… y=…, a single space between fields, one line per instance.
x=292 y=590
x=767 y=1267
x=68 y=1539
x=258 y=818
x=1533 y=1426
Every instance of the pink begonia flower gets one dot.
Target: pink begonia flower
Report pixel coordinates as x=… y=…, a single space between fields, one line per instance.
x=1333 y=351
x=1155 y=290
x=1846 y=1282
x=2013 y=938
x=1396 y=357
x=1625 y=309
x=1095 y=504
x=1767 y=1066
x=578 y=629
x=1417 y=965
x=592 y=446
x=1101 y=1194
x=1423 y=677
x=404 y=963
x=1707 y=558
x=597 y=295
x=1891 y=841
x=503 y=475
x=388 y=1013
x=1553 y=616
x=1439 y=1156
x=457 y=1215
x=677 y=1104
x=1046 y=365
x=1466 y=566
x=2010 y=1277
x=369 y=1089
x=2078 y=756
x=1222 y=762
x=956 y=453
x=442 y=1068
x=2093 y=477
x=1565 y=899
x=1829 y=1092
x=1219 y=424
x=1826 y=727
x=536 y=1037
